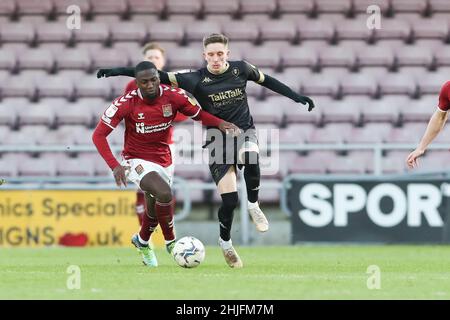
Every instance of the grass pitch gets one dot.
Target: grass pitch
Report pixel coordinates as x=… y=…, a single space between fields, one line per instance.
x=296 y=272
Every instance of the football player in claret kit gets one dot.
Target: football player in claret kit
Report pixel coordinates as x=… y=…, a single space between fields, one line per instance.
x=147 y=161
x=220 y=90
x=435 y=125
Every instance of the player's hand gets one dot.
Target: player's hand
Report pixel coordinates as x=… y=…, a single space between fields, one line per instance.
x=120 y=174
x=306 y=100
x=229 y=128
x=104 y=73
x=411 y=160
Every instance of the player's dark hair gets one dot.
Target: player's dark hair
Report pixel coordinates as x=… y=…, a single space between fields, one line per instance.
x=215 y=38
x=143 y=65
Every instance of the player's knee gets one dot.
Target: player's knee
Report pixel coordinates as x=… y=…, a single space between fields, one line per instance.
x=164 y=196
x=230 y=200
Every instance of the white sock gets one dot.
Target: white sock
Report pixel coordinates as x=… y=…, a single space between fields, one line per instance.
x=225 y=244
x=142 y=241
x=168 y=241
x=252 y=205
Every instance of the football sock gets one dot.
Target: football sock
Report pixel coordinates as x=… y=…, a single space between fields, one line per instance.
x=164 y=212
x=140 y=206
x=252 y=176
x=148 y=226
x=226 y=212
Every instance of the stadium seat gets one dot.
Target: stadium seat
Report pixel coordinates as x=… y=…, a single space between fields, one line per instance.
x=166 y=31
x=37 y=167
x=61 y=7
x=375 y=56
x=92 y=31
x=145 y=7
x=442 y=56
x=80 y=113
x=74 y=167
x=263 y=57
x=63 y=136
x=109 y=58
x=195 y=195
x=27 y=135
x=100 y=167
x=319 y=84
x=354 y=29
x=316 y=30
x=432 y=82
x=360 y=6
x=419 y=110
x=431 y=29
x=269 y=195
x=17 y=32
x=55 y=86
x=37 y=114
x=40 y=59
x=414 y=56
x=119 y=85
x=409 y=133
x=332 y=133
x=359 y=84
x=229 y=7
x=443 y=136
x=42 y=7
x=394 y=162
x=188 y=170
x=53 y=32
x=397 y=83
x=191 y=7
x=186 y=58
x=90 y=86
x=336 y=56
x=264 y=112
x=129 y=31
x=393 y=29
x=7 y=7
x=344 y=111
x=331 y=6
x=300 y=56
x=295 y=6
x=19 y=86
x=8 y=110
x=384 y=110
x=78 y=58
x=7 y=60
x=296 y=133
x=119 y=7
x=347 y=165
x=314 y=163
x=241 y=31
x=437 y=6
x=196 y=31
x=418 y=6
x=8 y=168
x=371 y=133
x=254 y=90
x=83 y=136
x=258 y=6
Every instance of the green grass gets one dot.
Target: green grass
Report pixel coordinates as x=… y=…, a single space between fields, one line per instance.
x=297 y=272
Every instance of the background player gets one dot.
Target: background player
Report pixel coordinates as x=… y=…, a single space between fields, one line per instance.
x=220 y=89
x=148 y=113
x=435 y=125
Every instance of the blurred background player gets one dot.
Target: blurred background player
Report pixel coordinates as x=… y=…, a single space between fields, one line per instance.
x=220 y=89
x=156 y=54
x=435 y=125
x=148 y=113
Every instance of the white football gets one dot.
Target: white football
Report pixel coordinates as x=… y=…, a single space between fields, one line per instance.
x=188 y=252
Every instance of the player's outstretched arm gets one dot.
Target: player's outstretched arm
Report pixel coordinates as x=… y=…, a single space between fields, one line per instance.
x=279 y=87
x=113 y=72
x=435 y=126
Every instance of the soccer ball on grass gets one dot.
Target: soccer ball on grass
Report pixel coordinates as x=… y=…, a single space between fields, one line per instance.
x=188 y=252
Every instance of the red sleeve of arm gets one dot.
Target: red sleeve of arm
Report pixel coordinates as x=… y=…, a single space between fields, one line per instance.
x=444 y=97
x=179 y=117
x=207 y=119
x=101 y=143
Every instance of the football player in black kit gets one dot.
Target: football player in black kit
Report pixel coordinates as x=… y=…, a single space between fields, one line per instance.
x=220 y=90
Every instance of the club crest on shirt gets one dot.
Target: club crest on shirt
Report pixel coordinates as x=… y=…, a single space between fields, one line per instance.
x=167 y=110
x=139 y=169
x=141 y=116
x=235 y=72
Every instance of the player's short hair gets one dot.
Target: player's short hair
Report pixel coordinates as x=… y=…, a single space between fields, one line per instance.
x=215 y=38
x=153 y=46
x=144 y=65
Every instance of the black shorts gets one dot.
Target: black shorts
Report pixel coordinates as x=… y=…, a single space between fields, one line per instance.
x=224 y=151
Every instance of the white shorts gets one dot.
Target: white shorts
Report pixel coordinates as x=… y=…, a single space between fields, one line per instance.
x=139 y=168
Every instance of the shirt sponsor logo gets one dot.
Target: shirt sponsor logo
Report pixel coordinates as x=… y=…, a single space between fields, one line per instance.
x=167 y=110
x=224 y=95
x=142 y=128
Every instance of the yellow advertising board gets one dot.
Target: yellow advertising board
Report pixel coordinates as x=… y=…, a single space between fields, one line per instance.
x=33 y=218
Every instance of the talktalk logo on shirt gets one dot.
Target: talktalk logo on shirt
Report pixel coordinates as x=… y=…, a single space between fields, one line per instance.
x=142 y=128
x=226 y=95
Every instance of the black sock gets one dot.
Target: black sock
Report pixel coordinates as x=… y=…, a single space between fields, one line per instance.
x=226 y=213
x=252 y=175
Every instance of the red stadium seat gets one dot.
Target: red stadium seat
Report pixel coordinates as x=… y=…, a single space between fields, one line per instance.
x=197 y=30
x=166 y=31
x=332 y=133
x=258 y=6
x=129 y=31
x=295 y=6
x=418 y=6
x=347 y=111
x=370 y=133
x=74 y=58
x=92 y=31
x=359 y=84
x=17 y=32
x=109 y=6
x=229 y=7
x=42 y=7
